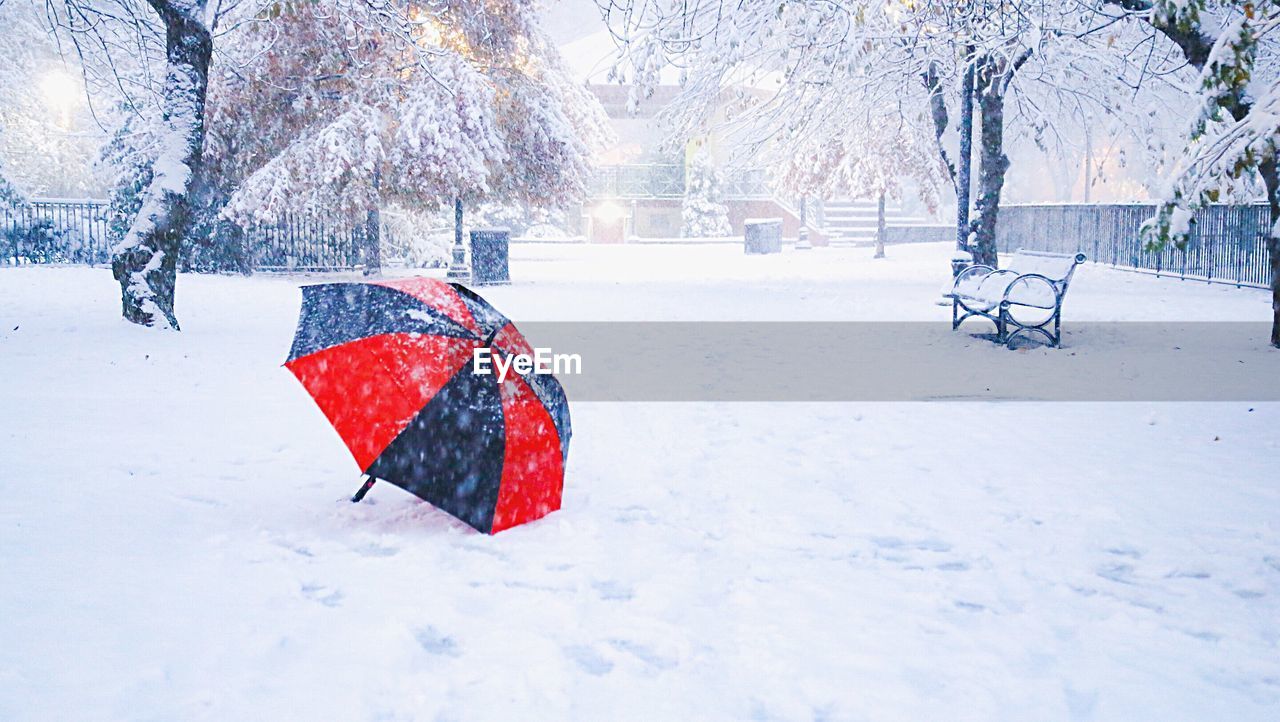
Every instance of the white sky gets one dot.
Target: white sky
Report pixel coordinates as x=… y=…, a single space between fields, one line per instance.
x=585 y=43
x=569 y=20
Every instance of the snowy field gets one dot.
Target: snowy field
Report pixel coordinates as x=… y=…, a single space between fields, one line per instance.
x=176 y=540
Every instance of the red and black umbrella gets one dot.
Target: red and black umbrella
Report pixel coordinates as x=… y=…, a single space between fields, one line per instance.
x=390 y=364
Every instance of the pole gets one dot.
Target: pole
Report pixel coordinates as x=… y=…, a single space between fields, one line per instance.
x=457 y=221
x=458 y=269
x=966 y=155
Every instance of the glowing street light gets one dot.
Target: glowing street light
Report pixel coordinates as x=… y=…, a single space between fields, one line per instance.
x=609 y=212
x=61 y=91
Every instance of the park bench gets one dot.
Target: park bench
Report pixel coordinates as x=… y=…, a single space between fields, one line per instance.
x=1023 y=298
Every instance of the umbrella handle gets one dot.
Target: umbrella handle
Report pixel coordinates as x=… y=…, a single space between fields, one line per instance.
x=363 y=490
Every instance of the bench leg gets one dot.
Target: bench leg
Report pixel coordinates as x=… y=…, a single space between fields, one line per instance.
x=1051 y=334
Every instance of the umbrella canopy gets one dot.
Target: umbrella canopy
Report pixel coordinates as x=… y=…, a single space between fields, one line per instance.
x=390 y=364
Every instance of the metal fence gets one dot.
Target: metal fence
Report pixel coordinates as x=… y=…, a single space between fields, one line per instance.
x=746 y=185
x=1228 y=243
x=638 y=181
x=54 y=231
x=76 y=232
x=305 y=243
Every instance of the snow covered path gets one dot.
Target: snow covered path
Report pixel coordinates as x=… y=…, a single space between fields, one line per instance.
x=176 y=543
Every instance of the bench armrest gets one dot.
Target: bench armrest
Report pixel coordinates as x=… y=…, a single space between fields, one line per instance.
x=968 y=273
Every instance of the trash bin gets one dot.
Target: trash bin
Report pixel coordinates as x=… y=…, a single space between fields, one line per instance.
x=762 y=235
x=490 y=260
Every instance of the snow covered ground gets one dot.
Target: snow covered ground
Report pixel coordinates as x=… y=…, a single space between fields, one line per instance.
x=176 y=543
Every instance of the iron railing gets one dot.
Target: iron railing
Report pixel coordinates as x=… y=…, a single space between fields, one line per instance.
x=54 y=231
x=750 y=184
x=76 y=232
x=297 y=242
x=667 y=181
x=1228 y=243
x=638 y=181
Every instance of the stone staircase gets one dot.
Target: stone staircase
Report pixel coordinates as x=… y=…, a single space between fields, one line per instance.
x=853 y=222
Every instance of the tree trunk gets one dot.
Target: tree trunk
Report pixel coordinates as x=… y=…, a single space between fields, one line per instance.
x=938 y=112
x=964 y=174
x=880 y=226
x=990 y=87
x=145 y=263
x=373 y=243
x=1270 y=170
x=373 y=234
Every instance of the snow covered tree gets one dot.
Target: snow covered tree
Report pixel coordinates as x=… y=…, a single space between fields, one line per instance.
x=120 y=37
x=326 y=105
x=1235 y=131
x=703 y=215
x=1047 y=62
x=781 y=70
x=145 y=261
x=327 y=108
x=878 y=151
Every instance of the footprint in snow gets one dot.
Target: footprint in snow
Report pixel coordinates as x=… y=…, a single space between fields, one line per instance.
x=1124 y=551
x=436 y=642
x=376 y=550
x=924 y=545
x=1180 y=574
x=634 y=514
x=203 y=500
x=322 y=594
x=900 y=551
x=932 y=545
x=588 y=660
x=887 y=542
x=644 y=654
x=1203 y=635
x=1121 y=573
x=613 y=591
x=1144 y=604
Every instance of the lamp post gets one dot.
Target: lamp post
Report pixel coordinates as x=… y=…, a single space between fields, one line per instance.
x=458 y=269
